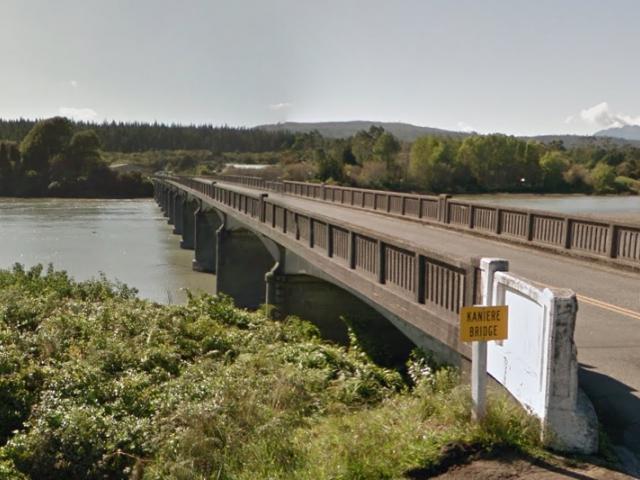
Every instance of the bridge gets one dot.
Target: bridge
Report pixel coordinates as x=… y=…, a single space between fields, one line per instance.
x=412 y=262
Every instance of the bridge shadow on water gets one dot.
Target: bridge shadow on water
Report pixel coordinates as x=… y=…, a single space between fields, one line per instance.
x=617 y=405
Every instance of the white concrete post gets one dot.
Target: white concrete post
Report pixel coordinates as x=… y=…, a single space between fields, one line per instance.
x=488 y=268
x=479 y=379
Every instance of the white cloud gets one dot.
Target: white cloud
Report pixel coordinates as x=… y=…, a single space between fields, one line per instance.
x=465 y=127
x=74 y=83
x=280 y=106
x=82 y=114
x=600 y=115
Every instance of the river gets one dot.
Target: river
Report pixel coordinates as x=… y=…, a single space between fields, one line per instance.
x=128 y=240
x=612 y=207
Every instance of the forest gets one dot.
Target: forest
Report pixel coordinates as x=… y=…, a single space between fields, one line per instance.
x=54 y=160
x=63 y=158
x=475 y=164
x=140 y=137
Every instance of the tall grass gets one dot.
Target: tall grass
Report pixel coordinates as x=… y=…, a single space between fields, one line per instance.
x=98 y=384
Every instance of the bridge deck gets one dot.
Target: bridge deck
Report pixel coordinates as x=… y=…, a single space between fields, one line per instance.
x=608 y=327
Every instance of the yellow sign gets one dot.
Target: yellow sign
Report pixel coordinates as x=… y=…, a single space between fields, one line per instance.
x=479 y=324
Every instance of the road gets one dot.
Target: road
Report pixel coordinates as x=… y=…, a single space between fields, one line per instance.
x=608 y=325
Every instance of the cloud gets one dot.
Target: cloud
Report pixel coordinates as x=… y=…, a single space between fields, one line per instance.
x=74 y=83
x=600 y=115
x=280 y=106
x=465 y=127
x=82 y=114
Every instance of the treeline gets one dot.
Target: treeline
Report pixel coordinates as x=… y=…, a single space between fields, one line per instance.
x=373 y=158
x=140 y=137
x=53 y=160
x=478 y=163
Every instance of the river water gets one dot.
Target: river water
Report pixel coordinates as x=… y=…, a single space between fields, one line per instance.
x=128 y=240
x=613 y=207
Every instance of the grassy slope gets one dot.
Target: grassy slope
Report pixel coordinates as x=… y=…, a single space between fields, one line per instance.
x=99 y=384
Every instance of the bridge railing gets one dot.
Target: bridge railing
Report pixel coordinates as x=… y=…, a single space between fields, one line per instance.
x=537 y=364
x=441 y=283
x=579 y=235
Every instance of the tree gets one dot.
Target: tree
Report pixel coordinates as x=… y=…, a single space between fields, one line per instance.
x=362 y=143
x=7 y=165
x=385 y=149
x=553 y=165
x=431 y=164
x=76 y=160
x=501 y=163
x=329 y=165
x=46 y=139
x=603 y=178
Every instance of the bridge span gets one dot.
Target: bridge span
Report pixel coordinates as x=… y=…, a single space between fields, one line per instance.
x=417 y=271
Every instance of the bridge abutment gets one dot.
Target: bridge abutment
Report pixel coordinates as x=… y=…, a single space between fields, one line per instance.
x=207 y=222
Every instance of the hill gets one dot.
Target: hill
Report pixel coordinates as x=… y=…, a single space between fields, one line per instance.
x=404 y=131
x=408 y=132
x=573 y=141
x=628 y=132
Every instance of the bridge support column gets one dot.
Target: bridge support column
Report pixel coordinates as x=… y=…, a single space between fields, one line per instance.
x=172 y=198
x=207 y=222
x=325 y=304
x=178 y=213
x=164 y=199
x=242 y=261
x=188 y=224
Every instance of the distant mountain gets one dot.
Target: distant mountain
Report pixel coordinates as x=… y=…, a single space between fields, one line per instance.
x=404 y=131
x=408 y=132
x=628 y=132
x=572 y=141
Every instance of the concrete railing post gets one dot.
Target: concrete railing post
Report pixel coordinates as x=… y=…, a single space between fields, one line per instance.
x=612 y=241
x=530 y=226
x=443 y=208
x=498 y=221
x=263 y=212
x=566 y=242
x=352 y=250
x=381 y=263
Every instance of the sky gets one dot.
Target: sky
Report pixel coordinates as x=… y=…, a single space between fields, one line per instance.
x=513 y=66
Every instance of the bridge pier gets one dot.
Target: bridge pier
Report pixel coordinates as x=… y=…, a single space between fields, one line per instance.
x=188 y=224
x=242 y=262
x=207 y=222
x=164 y=200
x=171 y=206
x=178 y=213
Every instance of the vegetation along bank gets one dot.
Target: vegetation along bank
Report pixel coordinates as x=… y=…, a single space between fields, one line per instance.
x=97 y=383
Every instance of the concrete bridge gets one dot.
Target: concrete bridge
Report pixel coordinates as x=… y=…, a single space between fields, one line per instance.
x=328 y=251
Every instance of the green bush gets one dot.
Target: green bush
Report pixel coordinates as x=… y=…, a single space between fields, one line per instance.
x=99 y=384
x=624 y=184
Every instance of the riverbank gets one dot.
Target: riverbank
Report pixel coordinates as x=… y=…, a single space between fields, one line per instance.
x=100 y=384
